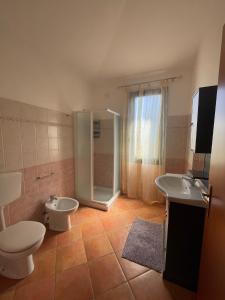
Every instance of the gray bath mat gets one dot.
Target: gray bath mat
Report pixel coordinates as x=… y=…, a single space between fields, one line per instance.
x=144 y=244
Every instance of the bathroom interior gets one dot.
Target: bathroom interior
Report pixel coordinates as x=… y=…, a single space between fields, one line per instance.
x=112 y=146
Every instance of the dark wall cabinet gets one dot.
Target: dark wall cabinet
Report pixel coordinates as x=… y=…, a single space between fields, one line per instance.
x=185 y=225
x=202 y=122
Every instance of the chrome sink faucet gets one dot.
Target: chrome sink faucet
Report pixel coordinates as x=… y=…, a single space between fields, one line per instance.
x=189 y=178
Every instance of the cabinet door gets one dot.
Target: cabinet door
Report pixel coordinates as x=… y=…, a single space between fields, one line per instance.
x=184 y=241
x=194 y=120
x=212 y=274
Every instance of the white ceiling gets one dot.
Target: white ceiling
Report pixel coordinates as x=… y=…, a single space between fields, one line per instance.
x=111 y=38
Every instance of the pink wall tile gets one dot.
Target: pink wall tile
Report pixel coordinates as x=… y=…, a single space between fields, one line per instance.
x=198 y=161
x=30 y=206
x=177 y=143
x=174 y=165
x=103 y=169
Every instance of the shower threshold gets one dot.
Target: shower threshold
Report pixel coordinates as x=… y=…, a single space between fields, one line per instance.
x=103 y=198
x=102 y=194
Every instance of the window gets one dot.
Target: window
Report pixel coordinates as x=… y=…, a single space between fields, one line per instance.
x=145 y=114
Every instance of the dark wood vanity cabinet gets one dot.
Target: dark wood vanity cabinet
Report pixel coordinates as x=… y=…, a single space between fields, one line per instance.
x=184 y=233
x=202 y=122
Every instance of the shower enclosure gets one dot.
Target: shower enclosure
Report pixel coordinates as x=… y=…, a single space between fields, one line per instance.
x=97 y=157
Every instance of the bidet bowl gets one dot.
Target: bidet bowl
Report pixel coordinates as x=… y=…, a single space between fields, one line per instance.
x=62 y=205
x=59 y=211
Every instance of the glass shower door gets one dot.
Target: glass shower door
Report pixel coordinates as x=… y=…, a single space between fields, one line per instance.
x=83 y=129
x=103 y=148
x=116 y=183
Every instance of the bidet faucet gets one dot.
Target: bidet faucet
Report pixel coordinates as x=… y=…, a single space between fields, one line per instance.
x=52 y=197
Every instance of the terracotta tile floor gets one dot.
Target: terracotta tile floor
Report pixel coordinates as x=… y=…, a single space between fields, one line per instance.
x=86 y=264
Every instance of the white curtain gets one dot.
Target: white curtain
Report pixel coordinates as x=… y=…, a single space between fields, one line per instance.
x=144 y=134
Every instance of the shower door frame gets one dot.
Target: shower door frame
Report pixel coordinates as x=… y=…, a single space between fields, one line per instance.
x=91 y=153
x=91 y=202
x=116 y=192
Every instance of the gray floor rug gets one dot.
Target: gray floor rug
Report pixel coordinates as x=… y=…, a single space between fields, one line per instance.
x=144 y=244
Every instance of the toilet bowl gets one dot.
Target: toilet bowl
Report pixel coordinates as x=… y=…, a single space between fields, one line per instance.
x=58 y=211
x=17 y=244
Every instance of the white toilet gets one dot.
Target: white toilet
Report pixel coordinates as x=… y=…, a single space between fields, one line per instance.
x=19 y=241
x=58 y=211
x=17 y=244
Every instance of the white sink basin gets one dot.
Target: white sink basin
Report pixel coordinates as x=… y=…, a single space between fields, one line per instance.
x=179 y=189
x=62 y=205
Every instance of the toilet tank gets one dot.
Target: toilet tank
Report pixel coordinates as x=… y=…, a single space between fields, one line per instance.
x=10 y=187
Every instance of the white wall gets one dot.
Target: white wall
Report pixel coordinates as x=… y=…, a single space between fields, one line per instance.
x=108 y=95
x=180 y=95
x=28 y=76
x=206 y=69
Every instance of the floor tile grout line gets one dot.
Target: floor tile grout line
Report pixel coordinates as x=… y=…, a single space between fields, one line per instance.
x=117 y=262
x=132 y=291
x=127 y=281
x=55 y=274
x=111 y=289
x=107 y=234
x=97 y=258
x=89 y=273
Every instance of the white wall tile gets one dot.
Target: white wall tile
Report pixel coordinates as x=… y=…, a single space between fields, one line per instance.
x=178 y=121
x=66 y=147
x=1 y=136
x=28 y=112
x=13 y=160
x=60 y=143
x=68 y=132
x=64 y=119
x=10 y=109
x=12 y=136
x=12 y=144
x=28 y=137
x=53 y=144
x=1 y=106
x=176 y=142
x=67 y=119
x=55 y=117
x=52 y=131
x=55 y=155
x=60 y=131
x=29 y=159
x=25 y=139
x=42 y=131
x=65 y=131
x=65 y=143
x=42 y=114
x=42 y=144
x=2 y=162
x=42 y=157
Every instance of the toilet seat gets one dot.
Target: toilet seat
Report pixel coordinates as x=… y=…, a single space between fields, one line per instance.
x=21 y=236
